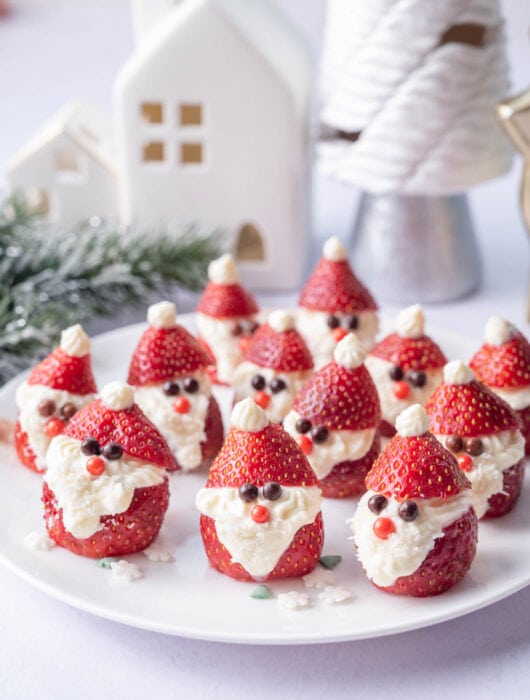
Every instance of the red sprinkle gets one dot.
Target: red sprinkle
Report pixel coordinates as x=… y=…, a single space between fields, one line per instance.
x=181 y=405
x=259 y=514
x=383 y=528
x=465 y=463
x=401 y=390
x=95 y=466
x=54 y=426
x=305 y=444
x=262 y=399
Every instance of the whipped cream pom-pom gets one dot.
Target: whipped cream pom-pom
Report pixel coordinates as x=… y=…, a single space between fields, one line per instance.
x=413 y=421
x=248 y=416
x=334 y=250
x=410 y=322
x=457 y=372
x=280 y=321
x=223 y=270
x=349 y=352
x=117 y=396
x=75 y=342
x=162 y=315
x=498 y=331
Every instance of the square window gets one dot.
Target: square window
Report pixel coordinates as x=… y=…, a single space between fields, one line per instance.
x=190 y=115
x=153 y=152
x=191 y=153
x=152 y=112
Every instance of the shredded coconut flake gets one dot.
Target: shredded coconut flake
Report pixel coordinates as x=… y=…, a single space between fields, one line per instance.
x=124 y=572
x=39 y=541
x=319 y=578
x=159 y=551
x=333 y=595
x=293 y=600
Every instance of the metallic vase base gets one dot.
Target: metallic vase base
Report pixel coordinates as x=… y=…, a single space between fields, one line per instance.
x=417 y=248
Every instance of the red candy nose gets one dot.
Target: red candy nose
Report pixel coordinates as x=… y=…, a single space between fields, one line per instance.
x=383 y=528
x=401 y=390
x=262 y=399
x=339 y=333
x=259 y=514
x=54 y=426
x=465 y=463
x=181 y=405
x=305 y=444
x=244 y=342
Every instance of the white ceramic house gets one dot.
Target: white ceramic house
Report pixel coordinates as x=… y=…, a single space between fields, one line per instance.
x=212 y=119
x=67 y=171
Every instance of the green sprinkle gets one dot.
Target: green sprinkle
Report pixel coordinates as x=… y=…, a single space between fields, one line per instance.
x=106 y=562
x=330 y=561
x=261 y=592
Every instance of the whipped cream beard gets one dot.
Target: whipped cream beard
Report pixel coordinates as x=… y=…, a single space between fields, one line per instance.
x=38 y=404
x=184 y=432
x=280 y=387
x=259 y=546
x=517 y=398
x=223 y=338
x=316 y=328
x=391 y=406
x=499 y=452
x=338 y=446
x=84 y=498
x=403 y=552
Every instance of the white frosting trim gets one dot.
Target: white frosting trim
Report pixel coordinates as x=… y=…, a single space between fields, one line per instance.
x=75 y=342
x=334 y=250
x=223 y=270
x=498 y=331
x=117 y=396
x=349 y=352
x=162 y=315
x=457 y=372
x=280 y=321
x=248 y=416
x=412 y=421
x=410 y=322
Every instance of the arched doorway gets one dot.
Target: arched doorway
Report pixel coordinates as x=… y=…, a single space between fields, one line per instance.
x=249 y=245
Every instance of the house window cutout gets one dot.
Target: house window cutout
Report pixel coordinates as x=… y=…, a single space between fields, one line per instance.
x=250 y=244
x=153 y=152
x=190 y=115
x=152 y=112
x=191 y=153
x=37 y=201
x=67 y=162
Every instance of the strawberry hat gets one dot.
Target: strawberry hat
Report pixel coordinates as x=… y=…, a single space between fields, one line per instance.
x=342 y=395
x=115 y=418
x=409 y=347
x=503 y=361
x=463 y=406
x=223 y=296
x=332 y=286
x=279 y=346
x=415 y=464
x=256 y=451
x=68 y=367
x=166 y=350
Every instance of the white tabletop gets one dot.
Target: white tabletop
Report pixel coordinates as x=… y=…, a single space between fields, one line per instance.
x=53 y=51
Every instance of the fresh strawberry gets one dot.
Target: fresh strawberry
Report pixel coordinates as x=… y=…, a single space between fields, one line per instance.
x=410 y=353
x=505 y=366
x=119 y=534
x=524 y=417
x=65 y=373
x=283 y=351
x=348 y=478
x=226 y=301
x=333 y=287
x=446 y=564
x=512 y=484
x=213 y=427
x=24 y=451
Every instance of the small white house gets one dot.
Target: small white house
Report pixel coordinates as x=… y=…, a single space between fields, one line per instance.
x=67 y=171
x=212 y=124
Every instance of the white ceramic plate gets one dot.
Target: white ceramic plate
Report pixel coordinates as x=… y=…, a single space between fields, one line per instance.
x=185 y=597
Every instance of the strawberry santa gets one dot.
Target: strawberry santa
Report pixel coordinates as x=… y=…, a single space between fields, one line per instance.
x=483 y=433
x=260 y=509
x=226 y=318
x=168 y=371
x=106 y=490
x=335 y=421
x=56 y=388
x=415 y=528
x=406 y=366
x=503 y=365
x=277 y=364
x=333 y=303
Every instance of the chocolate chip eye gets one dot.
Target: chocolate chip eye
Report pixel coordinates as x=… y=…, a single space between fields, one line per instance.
x=68 y=410
x=112 y=451
x=417 y=378
x=237 y=329
x=191 y=385
x=352 y=322
x=46 y=408
x=272 y=491
x=253 y=327
x=474 y=446
x=408 y=511
x=454 y=443
x=395 y=373
x=277 y=385
x=248 y=493
x=319 y=433
x=333 y=322
x=171 y=389
x=258 y=382
x=377 y=503
x=90 y=446
x=302 y=426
